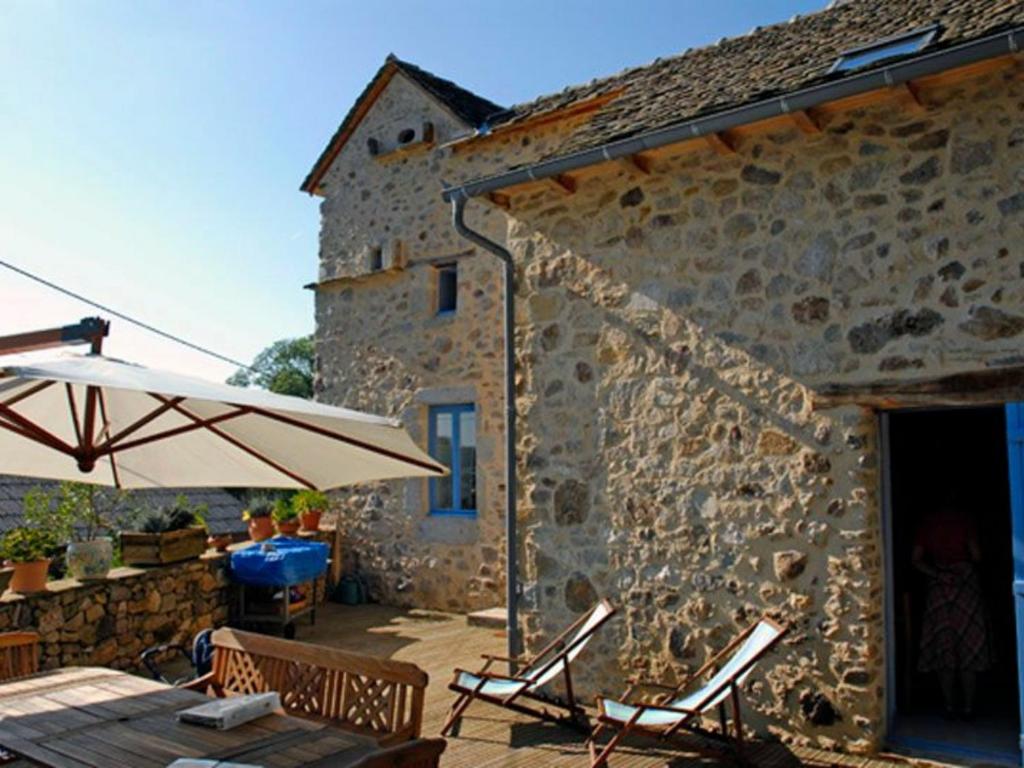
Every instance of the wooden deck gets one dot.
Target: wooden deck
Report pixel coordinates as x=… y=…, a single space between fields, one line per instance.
x=490 y=737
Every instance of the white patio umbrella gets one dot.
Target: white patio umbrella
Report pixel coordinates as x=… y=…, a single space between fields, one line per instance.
x=110 y=422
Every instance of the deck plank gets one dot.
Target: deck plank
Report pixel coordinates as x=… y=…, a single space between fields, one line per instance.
x=438 y=642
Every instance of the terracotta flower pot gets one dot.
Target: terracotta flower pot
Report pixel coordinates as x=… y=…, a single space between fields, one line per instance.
x=261 y=528
x=311 y=520
x=288 y=527
x=30 y=577
x=220 y=542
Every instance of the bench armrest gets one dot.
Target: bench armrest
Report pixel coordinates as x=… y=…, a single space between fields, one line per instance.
x=204 y=684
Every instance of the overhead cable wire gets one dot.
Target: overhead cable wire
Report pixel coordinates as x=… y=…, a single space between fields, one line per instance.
x=122 y=316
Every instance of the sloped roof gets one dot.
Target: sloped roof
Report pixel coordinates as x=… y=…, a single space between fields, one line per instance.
x=469 y=108
x=224 y=513
x=768 y=61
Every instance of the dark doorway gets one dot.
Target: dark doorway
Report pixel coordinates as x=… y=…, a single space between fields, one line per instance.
x=937 y=459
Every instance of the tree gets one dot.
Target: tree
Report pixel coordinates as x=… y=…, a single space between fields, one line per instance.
x=285 y=367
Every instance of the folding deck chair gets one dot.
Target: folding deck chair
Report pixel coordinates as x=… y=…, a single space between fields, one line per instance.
x=676 y=709
x=510 y=691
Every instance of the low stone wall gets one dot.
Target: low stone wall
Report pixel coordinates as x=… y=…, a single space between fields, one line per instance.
x=110 y=622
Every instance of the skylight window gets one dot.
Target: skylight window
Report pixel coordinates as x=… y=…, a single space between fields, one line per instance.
x=890 y=47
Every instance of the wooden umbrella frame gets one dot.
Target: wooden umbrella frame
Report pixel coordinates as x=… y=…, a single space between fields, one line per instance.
x=92 y=444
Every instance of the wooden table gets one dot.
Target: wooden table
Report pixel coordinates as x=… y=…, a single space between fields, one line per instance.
x=89 y=716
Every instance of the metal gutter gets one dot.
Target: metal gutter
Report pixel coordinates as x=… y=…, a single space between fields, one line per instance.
x=992 y=46
x=511 y=552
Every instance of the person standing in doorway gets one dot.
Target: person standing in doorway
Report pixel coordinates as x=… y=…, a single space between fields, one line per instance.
x=954 y=630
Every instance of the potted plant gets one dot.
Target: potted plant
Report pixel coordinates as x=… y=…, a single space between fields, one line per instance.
x=286 y=519
x=169 y=535
x=28 y=550
x=258 y=515
x=310 y=505
x=83 y=512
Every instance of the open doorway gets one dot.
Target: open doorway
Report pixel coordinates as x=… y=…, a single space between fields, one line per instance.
x=948 y=481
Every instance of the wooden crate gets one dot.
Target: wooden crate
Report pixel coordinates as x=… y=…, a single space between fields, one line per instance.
x=162 y=548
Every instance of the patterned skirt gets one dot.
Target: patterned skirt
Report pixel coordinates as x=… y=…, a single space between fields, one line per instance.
x=954 y=629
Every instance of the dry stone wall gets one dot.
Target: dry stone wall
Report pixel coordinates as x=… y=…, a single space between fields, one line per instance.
x=673 y=329
x=382 y=347
x=110 y=622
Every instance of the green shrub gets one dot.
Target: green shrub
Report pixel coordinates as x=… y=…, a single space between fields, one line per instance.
x=284 y=511
x=175 y=517
x=28 y=544
x=261 y=506
x=309 y=501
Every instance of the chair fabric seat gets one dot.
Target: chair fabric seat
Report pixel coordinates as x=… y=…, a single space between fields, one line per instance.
x=736 y=670
x=500 y=687
x=651 y=718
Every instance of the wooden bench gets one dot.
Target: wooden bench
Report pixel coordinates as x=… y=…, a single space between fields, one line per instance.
x=19 y=654
x=378 y=697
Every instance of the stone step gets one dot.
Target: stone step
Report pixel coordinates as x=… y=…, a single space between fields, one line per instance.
x=492 y=618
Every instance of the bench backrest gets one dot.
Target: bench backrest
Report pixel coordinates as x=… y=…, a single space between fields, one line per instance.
x=19 y=654
x=373 y=695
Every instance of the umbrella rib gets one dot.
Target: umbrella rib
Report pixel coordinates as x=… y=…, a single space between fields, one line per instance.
x=74 y=411
x=349 y=440
x=29 y=392
x=109 y=449
x=32 y=431
x=21 y=432
x=140 y=423
x=238 y=443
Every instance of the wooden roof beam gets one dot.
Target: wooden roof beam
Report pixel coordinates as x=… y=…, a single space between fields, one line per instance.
x=807 y=121
x=563 y=183
x=639 y=162
x=722 y=143
x=909 y=94
x=501 y=201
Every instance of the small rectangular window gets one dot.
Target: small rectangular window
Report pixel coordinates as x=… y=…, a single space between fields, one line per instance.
x=890 y=47
x=452 y=441
x=447 y=289
x=376 y=259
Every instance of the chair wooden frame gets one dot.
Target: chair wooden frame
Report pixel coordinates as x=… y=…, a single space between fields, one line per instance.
x=558 y=650
x=378 y=697
x=19 y=654
x=689 y=719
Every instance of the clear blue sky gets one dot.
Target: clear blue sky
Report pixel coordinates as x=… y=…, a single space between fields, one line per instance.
x=151 y=152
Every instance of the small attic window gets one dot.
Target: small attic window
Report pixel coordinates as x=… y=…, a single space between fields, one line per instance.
x=406 y=136
x=890 y=47
x=376 y=259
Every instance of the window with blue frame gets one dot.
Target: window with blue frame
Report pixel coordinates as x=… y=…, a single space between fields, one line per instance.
x=452 y=441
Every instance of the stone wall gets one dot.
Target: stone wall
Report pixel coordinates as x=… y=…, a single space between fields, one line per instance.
x=671 y=331
x=381 y=347
x=674 y=329
x=110 y=622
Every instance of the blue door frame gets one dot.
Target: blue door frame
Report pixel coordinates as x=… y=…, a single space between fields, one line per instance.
x=1015 y=446
x=1015 y=449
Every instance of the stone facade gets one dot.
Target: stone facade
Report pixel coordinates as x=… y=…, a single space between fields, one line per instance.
x=382 y=347
x=672 y=329
x=110 y=622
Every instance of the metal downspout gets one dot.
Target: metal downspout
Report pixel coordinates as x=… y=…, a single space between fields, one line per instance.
x=511 y=553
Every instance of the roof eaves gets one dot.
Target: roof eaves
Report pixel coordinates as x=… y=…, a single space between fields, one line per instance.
x=768 y=103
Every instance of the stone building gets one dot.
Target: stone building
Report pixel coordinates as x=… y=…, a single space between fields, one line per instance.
x=752 y=352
